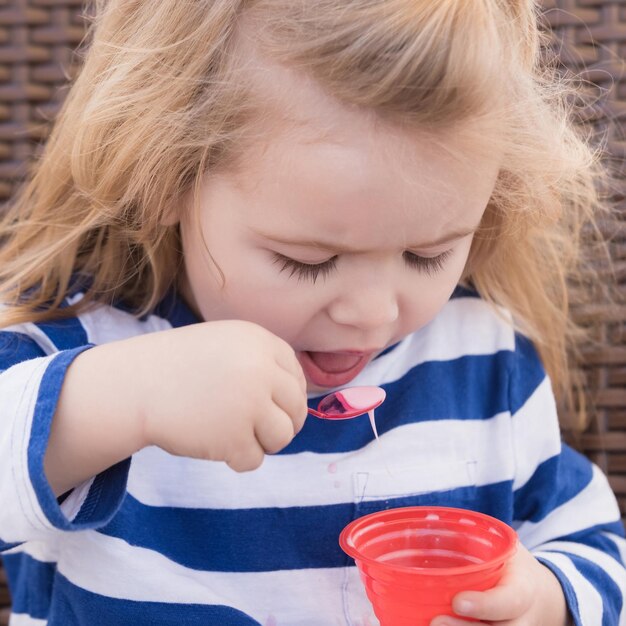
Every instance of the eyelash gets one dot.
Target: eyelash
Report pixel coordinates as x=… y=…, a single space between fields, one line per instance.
x=429 y=265
x=312 y=271
x=305 y=271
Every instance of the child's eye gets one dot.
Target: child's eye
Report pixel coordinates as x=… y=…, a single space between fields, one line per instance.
x=305 y=271
x=429 y=265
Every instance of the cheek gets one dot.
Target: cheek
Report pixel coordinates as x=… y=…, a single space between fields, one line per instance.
x=424 y=307
x=425 y=301
x=289 y=322
x=251 y=292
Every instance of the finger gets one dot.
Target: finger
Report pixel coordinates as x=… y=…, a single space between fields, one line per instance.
x=508 y=600
x=248 y=458
x=286 y=358
x=288 y=395
x=504 y=602
x=284 y=354
x=274 y=431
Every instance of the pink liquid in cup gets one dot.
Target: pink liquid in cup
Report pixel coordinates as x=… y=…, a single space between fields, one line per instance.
x=414 y=560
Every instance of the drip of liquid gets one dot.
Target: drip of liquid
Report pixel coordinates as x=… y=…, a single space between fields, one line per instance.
x=373 y=423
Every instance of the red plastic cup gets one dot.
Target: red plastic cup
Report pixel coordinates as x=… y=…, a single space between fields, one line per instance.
x=414 y=560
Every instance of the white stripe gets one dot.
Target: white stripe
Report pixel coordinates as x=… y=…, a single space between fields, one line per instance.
x=21 y=619
x=21 y=516
x=411 y=459
x=594 y=505
x=465 y=326
x=589 y=600
x=104 y=324
x=605 y=561
x=110 y=567
x=42 y=551
x=535 y=433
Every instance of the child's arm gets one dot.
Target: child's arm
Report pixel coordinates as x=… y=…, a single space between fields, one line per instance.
x=222 y=391
x=225 y=391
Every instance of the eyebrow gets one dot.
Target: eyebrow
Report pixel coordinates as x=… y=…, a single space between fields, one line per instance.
x=334 y=247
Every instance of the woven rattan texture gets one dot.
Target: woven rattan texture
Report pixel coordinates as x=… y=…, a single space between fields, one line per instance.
x=590 y=36
x=37 y=40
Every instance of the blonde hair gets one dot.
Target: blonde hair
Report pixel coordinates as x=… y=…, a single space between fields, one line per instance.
x=160 y=101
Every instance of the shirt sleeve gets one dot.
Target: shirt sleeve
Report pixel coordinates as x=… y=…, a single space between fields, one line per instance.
x=565 y=512
x=31 y=375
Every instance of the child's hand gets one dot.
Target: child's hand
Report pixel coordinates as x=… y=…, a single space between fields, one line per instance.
x=528 y=595
x=226 y=391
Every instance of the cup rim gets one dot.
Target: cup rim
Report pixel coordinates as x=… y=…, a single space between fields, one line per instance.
x=375 y=518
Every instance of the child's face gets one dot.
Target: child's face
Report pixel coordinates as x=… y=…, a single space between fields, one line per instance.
x=341 y=236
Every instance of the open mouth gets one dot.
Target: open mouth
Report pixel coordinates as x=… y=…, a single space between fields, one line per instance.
x=332 y=369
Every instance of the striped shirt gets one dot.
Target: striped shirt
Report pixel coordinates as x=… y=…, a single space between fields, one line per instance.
x=469 y=421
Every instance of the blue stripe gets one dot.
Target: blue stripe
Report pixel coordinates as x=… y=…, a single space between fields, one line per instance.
x=555 y=482
x=268 y=539
x=467 y=388
x=101 y=502
x=30 y=582
x=612 y=596
x=464 y=292
x=527 y=372
x=612 y=599
x=592 y=537
x=17 y=347
x=568 y=590
x=104 y=498
x=74 y=606
x=175 y=310
x=65 y=334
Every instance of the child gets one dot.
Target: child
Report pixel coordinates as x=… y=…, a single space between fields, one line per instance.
x=243 y=202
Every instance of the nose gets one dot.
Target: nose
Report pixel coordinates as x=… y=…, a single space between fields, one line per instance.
x=366 y=308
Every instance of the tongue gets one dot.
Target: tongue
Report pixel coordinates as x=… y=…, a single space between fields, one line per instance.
x=333 y=363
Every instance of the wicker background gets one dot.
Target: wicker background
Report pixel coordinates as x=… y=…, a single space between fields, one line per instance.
x=37 y=39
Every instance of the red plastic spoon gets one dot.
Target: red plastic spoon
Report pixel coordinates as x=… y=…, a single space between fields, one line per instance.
x=349 y=402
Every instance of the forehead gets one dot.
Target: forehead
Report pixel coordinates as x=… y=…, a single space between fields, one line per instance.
x=375 y=190
x=321 y=164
